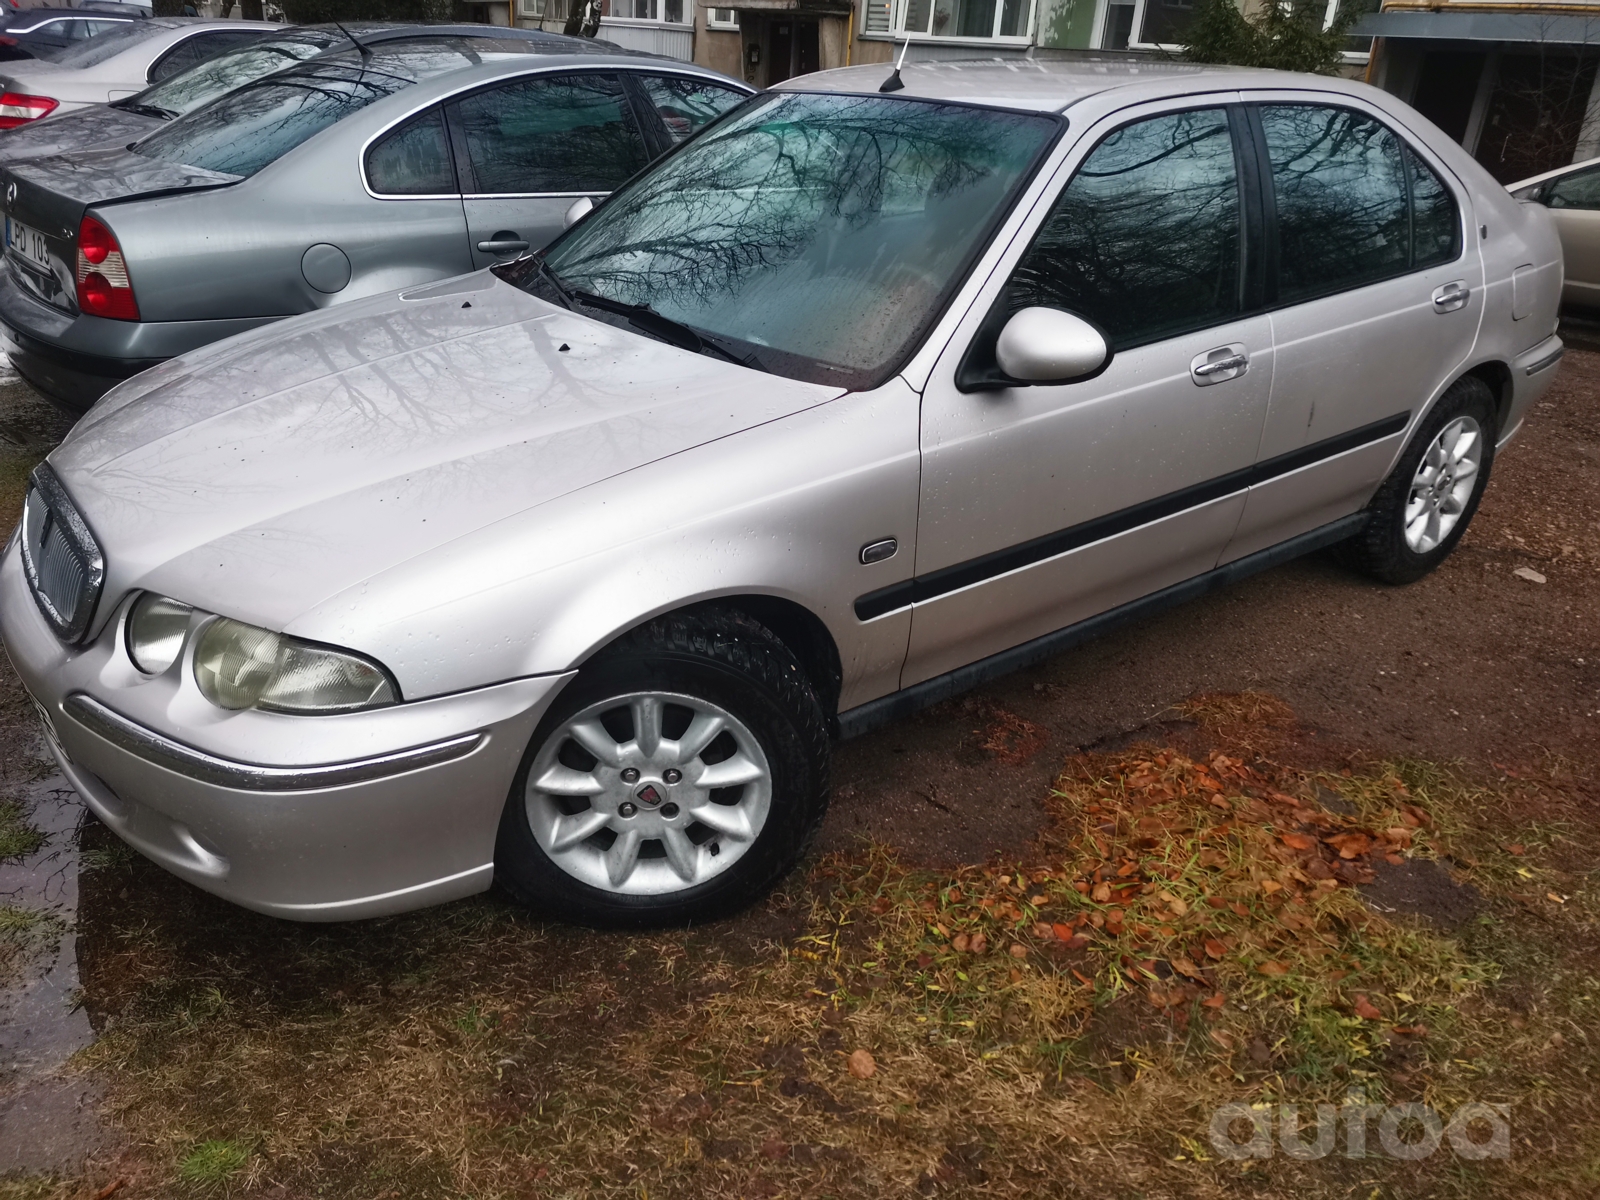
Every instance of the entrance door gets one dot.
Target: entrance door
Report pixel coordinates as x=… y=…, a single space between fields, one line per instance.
x=530 y=147
x=1041 y=506
x=780 y=52
x=1379 y=293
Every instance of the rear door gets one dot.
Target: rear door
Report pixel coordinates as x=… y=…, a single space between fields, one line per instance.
x=528 y=148
x=1378 y=294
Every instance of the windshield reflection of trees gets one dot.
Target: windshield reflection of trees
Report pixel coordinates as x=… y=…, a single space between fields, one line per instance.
x=183 y=92
x=826 y=226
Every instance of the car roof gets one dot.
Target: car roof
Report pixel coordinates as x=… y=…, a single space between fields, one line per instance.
x=1046 y=85
x=432 y=58
x=38 y=16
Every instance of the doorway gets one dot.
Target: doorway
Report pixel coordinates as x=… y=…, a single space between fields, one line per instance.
x=794 y=49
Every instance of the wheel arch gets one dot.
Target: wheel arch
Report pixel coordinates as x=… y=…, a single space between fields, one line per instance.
x=1497 y=375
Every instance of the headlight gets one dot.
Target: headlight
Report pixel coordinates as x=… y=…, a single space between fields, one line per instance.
x=156 y=628
x=241 y=666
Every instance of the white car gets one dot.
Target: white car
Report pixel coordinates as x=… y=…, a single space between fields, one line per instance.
x=115 y=64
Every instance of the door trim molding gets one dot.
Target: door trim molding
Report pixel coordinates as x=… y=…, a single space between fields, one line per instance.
x=921 y=588
x=876 y=713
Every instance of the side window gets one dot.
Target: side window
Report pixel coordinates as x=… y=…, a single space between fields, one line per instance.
x=81 y=31
x=59 y=29
x=565 y=133
x=1353 y=204
x=413 y=159
x=685 y=105
x=195 y=50
x=1145 y=239
x=1581 y=189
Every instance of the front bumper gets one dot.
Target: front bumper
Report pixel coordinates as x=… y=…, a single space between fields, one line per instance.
x=310 y=818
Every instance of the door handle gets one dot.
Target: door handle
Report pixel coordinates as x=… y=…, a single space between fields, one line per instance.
x=504 y=241
x=1219 y=365
x=1451 y=296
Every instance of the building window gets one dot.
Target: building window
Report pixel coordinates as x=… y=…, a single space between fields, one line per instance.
x=877 y=16
x=532 y=10
x=1148 y=24
x=953 y=19
x=669 y=11
x=722 y=18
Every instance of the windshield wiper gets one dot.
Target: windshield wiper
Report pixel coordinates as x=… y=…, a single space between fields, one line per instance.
x=676 y=333
x=147 y=110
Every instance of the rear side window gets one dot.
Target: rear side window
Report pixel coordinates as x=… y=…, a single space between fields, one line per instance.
x=1144 y=241
x=685 y=105
x=245 y=130
x=413 y=159
x=1354 y=205
x=194 y=51
x=113 y=42
x=556 y=133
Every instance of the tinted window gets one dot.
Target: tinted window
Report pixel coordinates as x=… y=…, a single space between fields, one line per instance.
x=232 y=69
x=196 y=50
x=1581 y=189
x=1144 y=240
x=1339 y=180
x=413 y=160
x=684 y=105
x=818 y=233
x=567 y=133
x=258 y=124
x=55 y=29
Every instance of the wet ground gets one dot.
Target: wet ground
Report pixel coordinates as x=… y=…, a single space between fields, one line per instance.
x=1475 y=663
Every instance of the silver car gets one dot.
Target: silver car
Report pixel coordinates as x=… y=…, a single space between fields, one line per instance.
x=353 y=173
x=563 y=574
x=115 y=64
x=122 y=121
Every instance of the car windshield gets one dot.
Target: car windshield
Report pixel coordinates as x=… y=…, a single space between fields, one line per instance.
x=817 y=235
x=229 y=70
x=109 y=44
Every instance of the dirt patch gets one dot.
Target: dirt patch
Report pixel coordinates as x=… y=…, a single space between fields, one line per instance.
x=1423 y=888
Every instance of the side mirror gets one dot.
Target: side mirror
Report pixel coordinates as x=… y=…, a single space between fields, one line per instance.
x=1046 y=345
x=578 y=210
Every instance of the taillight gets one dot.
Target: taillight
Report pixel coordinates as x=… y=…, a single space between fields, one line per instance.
x=103 y=286
x=17 y=108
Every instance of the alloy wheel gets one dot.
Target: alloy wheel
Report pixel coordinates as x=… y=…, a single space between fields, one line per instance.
x=1443 y=484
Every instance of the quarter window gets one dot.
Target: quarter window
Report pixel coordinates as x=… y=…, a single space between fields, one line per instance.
x=569 y=133
x=1145 y=239
x=1354 y=204
x=413 y=160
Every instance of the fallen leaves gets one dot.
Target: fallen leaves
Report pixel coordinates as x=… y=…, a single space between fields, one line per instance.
x=1366 y=1010
x=1273 y=967
x=1529 y=574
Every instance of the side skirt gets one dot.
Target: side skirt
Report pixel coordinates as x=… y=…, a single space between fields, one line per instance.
x=880 y=712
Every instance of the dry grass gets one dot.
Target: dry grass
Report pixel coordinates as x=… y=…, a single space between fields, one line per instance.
x=1186 y=933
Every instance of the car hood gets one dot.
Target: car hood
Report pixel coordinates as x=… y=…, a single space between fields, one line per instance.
x=96 y=125
x=267 y=473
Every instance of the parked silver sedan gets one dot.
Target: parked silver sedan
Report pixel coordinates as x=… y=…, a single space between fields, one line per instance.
x=115 y=64
x=352 y=173
x=562 y=573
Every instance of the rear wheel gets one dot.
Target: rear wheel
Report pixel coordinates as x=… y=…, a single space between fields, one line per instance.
x=676 y=779
x=1423 y=508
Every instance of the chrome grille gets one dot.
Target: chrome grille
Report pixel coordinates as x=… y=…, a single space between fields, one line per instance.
x=60 y=556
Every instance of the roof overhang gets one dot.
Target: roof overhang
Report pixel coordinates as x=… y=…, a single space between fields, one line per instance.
x=1564 y=29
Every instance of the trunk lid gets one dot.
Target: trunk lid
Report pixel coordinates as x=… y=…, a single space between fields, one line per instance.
x=99 y=126
x=44 y=200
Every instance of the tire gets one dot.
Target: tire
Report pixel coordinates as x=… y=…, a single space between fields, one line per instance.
x=684 y=675
x=1384 y=549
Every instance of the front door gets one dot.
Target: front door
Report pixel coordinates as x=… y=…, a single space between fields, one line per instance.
x=1041 y=506
x=531 y=147
x=1379 y=290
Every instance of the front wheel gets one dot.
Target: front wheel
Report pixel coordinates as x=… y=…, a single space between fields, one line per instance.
x=1422 y=510
x=676 y=779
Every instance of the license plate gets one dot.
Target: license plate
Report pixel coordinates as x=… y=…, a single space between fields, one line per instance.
x=28 y=243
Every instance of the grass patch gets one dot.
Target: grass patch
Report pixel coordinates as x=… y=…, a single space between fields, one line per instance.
x=1189 y=931
x=213 y=1162
x=18 y=838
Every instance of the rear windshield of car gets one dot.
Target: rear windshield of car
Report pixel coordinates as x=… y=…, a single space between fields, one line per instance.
x=109 y=44
x=815 y=236
x=231 y=69
x=247 y=129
